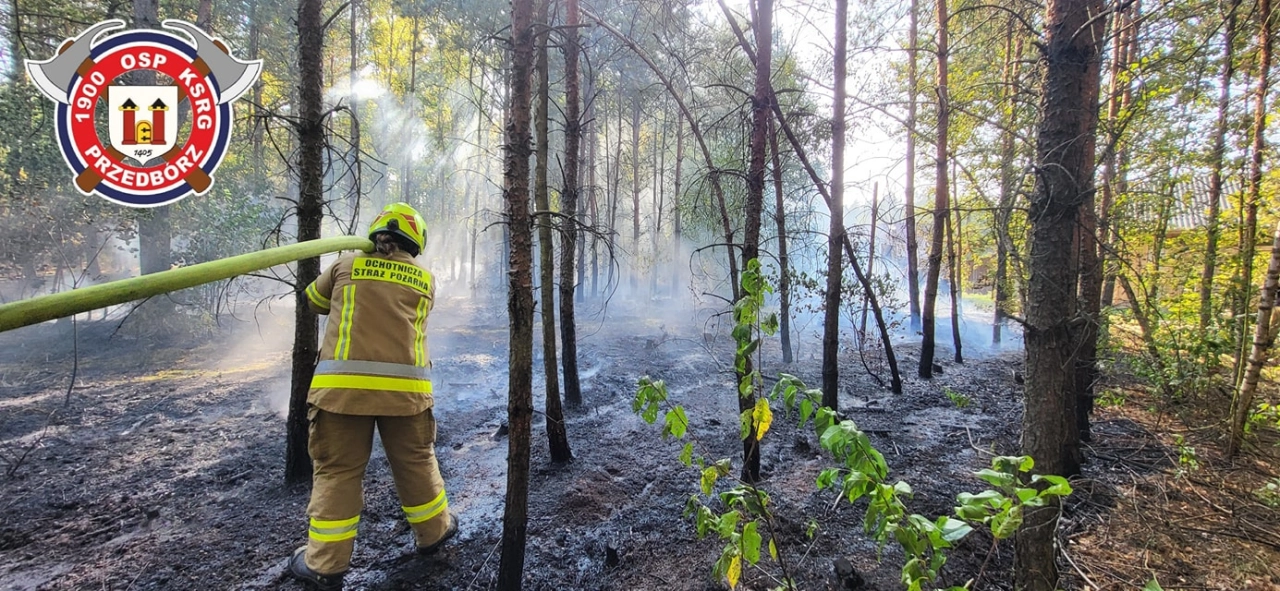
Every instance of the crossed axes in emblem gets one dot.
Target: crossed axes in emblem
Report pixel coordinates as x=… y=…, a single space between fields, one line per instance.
x=54 y=77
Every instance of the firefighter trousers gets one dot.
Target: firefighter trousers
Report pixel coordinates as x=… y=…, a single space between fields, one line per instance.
x=340 y=445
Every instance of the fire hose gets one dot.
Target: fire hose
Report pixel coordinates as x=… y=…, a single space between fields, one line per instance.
x=68 y=303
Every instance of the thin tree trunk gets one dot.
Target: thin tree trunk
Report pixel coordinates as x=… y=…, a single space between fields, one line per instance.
x=677 y=242
x=1263 y=337
x=1115 y=159
x=1249 y=247
x=594 y=202
x=823 y=190
x=784 y=273
x=411 y=105
x=570 y=206
x=871 y=256
x=586 y=206
x=836 y=232
x=519 y=300
x=941 y=203
x=1008 y=178
x=716 y=188
x=953 y=266
x=658 y=201
x=1091 y=240
x=353 y=199
x=1064 y=162
x=909 y=204
x=557 y=437
x=310 y=201
x=1217 y=156
x=755 y=198
x=634 y=267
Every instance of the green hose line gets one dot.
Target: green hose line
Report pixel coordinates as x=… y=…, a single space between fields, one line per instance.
x=35 y=310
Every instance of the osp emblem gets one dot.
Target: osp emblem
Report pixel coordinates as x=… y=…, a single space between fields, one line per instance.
x=146 y=161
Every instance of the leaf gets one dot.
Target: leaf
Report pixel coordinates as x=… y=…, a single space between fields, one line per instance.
x=676 y=423
x=751 y=543
x=709 y=476
x=806 y=409
x=825 y=419
x=686 y=454
x=1153 y=585
x=953 y=529
x=770 y=324
x=1000 y=479
x=734 y=571
x=1006 y=523
x=728 y=524
x=763 y=417
x=827 y=477
x=773 y=550
x=1058 y=486
x=650 y=413
x=1024 y=494
x=855 y=486
x=705 y=519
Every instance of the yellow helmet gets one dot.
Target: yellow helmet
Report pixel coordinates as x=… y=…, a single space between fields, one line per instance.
x=402 y=220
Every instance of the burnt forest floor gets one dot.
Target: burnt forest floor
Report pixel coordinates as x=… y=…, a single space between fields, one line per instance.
x=162 y=468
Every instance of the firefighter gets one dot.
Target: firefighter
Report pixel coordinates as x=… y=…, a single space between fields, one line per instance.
x=374 y=370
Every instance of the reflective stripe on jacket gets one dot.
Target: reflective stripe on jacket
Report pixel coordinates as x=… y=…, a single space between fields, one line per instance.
x=374 y=358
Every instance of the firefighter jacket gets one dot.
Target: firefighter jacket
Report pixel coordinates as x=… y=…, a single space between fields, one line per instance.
x=373 y=360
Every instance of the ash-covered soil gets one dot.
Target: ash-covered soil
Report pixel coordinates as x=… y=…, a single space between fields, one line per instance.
x=163 y=467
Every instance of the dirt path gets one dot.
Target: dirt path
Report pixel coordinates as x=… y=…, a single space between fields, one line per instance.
x=165 y=470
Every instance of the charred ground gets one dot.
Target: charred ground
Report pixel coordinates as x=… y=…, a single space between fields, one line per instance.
x=164 y=468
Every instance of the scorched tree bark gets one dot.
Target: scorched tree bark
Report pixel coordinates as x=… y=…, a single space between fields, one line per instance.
x=1063 y=182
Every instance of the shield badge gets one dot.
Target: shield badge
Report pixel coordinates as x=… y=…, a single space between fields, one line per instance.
x=143 y=120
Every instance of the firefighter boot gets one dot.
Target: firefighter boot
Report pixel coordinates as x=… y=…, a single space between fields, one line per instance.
x=298 y=569
x=448 y=533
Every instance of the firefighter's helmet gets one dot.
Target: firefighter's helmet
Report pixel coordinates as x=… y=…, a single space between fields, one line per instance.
x=403 y=220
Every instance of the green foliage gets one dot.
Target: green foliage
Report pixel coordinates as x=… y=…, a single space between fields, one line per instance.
x=740 y=515
x=960 y=400
x=861 y=472
x=1269 y=493
x=1264 y=413
x=1188 y=461
x=1110 y=398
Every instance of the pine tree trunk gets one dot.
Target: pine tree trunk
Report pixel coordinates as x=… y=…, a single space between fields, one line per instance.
x=677 y=246
x=1216 y=158
x=823 y=190
x=1248 y=246
x=784 y=273
x=1263 y=337
x=1064 y=161
x=1008 y=179
x=634 y=267
x=557 y=437
x=836 y=233
x=311 y=140
x=909 y=204
x=953 y=267
x=519 y=299
x=941 y=204
x=754 y=206
x=570 y=205
x=871 y=257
